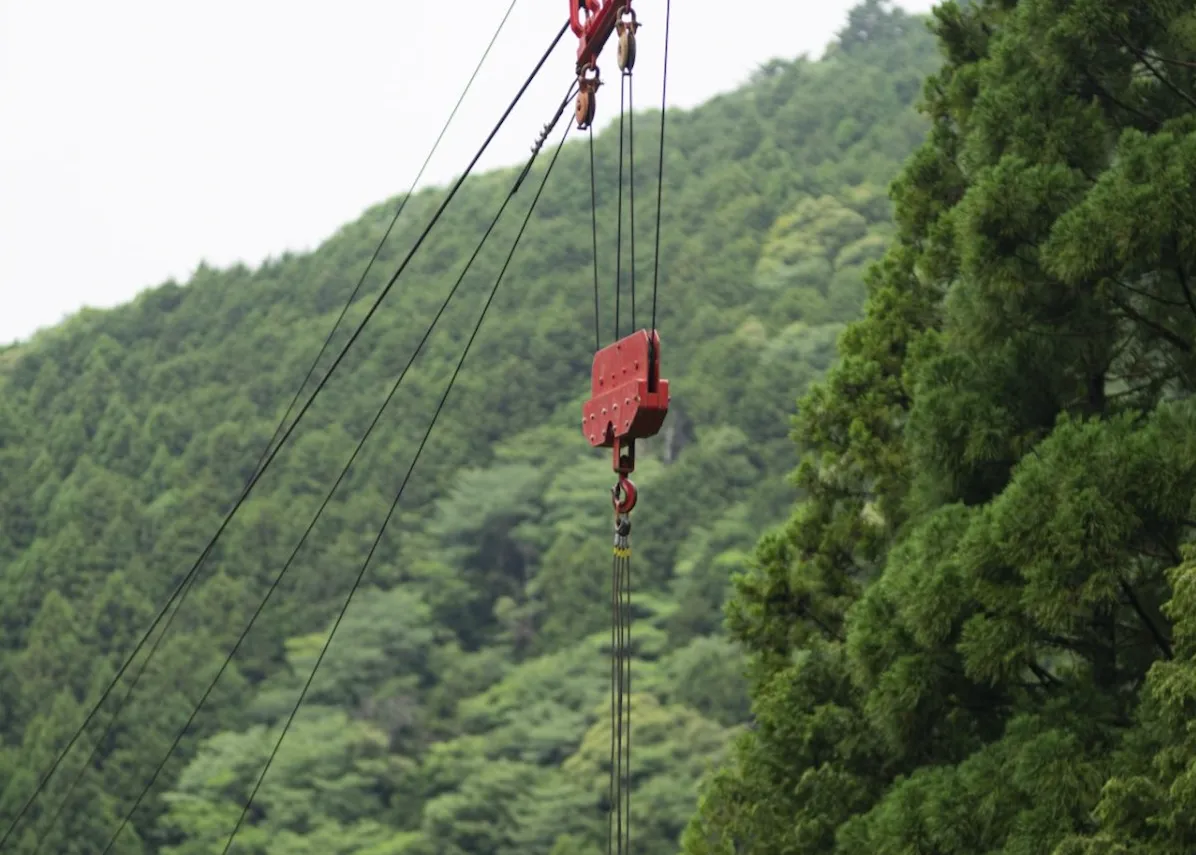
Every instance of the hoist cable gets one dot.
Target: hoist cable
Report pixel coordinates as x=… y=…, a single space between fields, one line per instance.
x=631 y=181
x=612 y=795
x=627 y=664
x=664 y=90
x=619 y=787
x=594 y=224
x=399 y=494
x=386 y=235
x=188 y=584
x=619 y=208
x=320 y=511
x=620 y=651
x=286 y=435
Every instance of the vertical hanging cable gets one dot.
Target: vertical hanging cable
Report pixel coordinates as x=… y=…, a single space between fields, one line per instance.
x=631 y=182
x=625 y=610
x=619 y=816
x=594 y=223
x=613 y=795
x=620 y=652
x=664 y=90
x=619 y=218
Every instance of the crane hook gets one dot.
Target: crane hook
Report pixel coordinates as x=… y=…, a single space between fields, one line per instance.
x=624 y=495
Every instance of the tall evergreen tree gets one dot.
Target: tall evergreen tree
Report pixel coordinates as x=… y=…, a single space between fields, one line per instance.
x=970 y=612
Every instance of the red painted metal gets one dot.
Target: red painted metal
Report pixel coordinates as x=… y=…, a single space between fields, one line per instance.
x=624 y=495
x=601 y=16
x=628 y=399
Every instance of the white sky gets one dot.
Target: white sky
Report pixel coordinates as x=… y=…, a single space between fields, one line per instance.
x=139 y=137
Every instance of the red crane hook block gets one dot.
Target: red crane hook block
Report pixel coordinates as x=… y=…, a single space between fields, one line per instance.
x=601 y=17
x=628 y=400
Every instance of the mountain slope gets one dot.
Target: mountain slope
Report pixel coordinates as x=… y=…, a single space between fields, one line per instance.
x=462 y=706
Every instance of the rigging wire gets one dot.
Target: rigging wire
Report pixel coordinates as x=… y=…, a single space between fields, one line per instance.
x=399 y=494
x=398 y=213
x=285 y=436
x=319 y=512
x=627 y=683
x=631 y=181
x=189 y=582
x=619 y=206
x=664 y=89
x=594 y=223
x=619 y=789
x=611 y=795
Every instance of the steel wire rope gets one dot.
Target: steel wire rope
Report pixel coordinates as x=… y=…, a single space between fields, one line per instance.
x=619 y=208
x=626 y=612
x=320 y=511
x=631 y=182
x=399 y=494
x=282 y=441
x=398 y=213
x=625 y=605
x=617 y=769
x=664 y=89
x=189 y=582
x=594 y=228
x=618 y=839
x=611 y=793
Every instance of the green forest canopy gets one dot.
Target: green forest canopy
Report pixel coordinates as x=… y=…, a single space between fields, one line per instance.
x=462 y=707
x=975 y=633
x=971 y=636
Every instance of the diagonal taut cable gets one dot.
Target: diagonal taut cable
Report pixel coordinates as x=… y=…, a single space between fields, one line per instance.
x=664 y=90
x=188 y=583
x=315 y=519
x=398 y=496
x=287 y=434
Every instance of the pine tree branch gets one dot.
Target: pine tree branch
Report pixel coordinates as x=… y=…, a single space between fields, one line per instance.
x=1183 y=282
x=827 y=630
x=1158 y=75
x=1170 y=336
x=1133 y=390
x=1045 y=677
x=1159 y=639
x=1147 y=294
x=1182 y=63
x=1101 y=92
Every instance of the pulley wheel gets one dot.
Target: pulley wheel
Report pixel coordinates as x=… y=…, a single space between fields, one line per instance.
x=585 y=108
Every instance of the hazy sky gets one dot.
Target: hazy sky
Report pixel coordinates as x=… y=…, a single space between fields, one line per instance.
x=139 y=137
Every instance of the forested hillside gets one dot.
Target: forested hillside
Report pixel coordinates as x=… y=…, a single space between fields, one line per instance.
x=462 y=708
x=976 y=634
